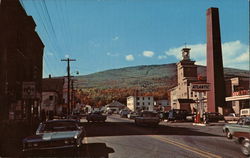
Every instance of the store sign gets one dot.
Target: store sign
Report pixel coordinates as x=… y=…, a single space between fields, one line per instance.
x=200 y=86
x=29 y=91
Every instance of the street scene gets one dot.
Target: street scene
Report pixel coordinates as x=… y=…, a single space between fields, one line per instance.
x=120 y=137
x=124 y=78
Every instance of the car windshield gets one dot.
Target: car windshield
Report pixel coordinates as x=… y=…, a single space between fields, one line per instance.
x=59 y=126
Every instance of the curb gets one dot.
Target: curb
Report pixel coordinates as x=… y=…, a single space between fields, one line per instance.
x=199 y=124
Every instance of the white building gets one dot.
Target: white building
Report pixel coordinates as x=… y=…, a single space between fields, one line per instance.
x=114 y=106
x=50 y=102
x=136 y=103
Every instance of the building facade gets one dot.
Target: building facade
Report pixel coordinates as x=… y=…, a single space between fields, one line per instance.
x=21 y=61
x=52 y=96
x=137 y=103
x=182 y=96
x=238 y=96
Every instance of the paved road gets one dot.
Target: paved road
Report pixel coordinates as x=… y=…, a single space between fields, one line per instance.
x=125 y=140
x=121 y=138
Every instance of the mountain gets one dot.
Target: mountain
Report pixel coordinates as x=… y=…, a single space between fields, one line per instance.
x=101 y=88
x=146 y=75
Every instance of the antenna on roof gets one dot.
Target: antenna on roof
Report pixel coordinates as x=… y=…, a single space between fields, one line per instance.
x=185 y=44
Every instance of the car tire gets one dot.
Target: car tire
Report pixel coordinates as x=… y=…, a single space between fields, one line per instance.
x=245 y=148
x=228 y=134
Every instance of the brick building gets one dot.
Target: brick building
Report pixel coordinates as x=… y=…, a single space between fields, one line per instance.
x=21 y=60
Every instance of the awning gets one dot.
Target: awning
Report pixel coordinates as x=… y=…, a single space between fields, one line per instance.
x=186 y=101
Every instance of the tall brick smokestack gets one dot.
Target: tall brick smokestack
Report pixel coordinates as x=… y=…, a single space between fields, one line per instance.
x=215 y=73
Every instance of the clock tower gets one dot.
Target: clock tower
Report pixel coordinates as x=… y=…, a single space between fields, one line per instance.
x=186 y=69
x=185 y=54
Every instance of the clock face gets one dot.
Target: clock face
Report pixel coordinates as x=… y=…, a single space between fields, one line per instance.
x=185 y=53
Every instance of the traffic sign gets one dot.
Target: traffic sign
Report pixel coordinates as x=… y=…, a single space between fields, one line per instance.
x=29 y=90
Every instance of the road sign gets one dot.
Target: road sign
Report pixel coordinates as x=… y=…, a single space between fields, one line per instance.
x=200 y=87
x=29 y=90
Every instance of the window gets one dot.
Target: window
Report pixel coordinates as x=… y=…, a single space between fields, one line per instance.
x=191 y=94
x=51 y=97
x=143 y=103
x=148 y=98
x=142 y=98
x=148 y=103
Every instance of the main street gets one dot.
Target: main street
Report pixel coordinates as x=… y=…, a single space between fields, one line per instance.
x=121 y=138
x=125 y=140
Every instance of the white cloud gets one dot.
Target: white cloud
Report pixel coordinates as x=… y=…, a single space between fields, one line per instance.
x=235 y=54
x=115 y=38
x=162 y=57
x=198 y=51
x=148 y=54
x=66 y=56
x=129 y=57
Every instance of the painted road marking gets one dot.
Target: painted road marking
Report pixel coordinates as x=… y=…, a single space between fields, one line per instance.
x=187 y=147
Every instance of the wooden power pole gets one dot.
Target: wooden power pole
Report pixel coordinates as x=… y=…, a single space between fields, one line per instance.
x=68 y=76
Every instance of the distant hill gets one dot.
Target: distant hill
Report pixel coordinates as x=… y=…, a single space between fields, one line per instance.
x=101 y=88
x=145 y=75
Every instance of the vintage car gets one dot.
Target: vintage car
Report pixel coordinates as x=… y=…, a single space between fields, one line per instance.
x=96 y=117
x=132 y=115
x=147 y=118
x=177 y=114
x=232 y=117
x=243 y=125
x=124 y=113
x=244 y=139
x=163 y=115
x=55 y=134
x=212 y=117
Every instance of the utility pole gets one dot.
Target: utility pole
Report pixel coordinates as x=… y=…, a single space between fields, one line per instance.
x=72 y=93
x=68 y=70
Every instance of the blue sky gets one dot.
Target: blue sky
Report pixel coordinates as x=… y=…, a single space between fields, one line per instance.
x=107 y=34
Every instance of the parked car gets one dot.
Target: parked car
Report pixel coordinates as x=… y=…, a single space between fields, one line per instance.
x=190 y=117
x=244 y=112
x=232 y=117
x=75 y=117
x=96 y=117
x=163 y=115
x=212 y=117
x=243 y=125
x=147 y=118
x=177 y=114
x=54 y=134
x=132 y=115
x=124 y=113
x=244 y=139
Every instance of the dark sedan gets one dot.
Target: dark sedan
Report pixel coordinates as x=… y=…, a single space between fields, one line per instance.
x=96 y=117
x=55 y=134
x=212 y=117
